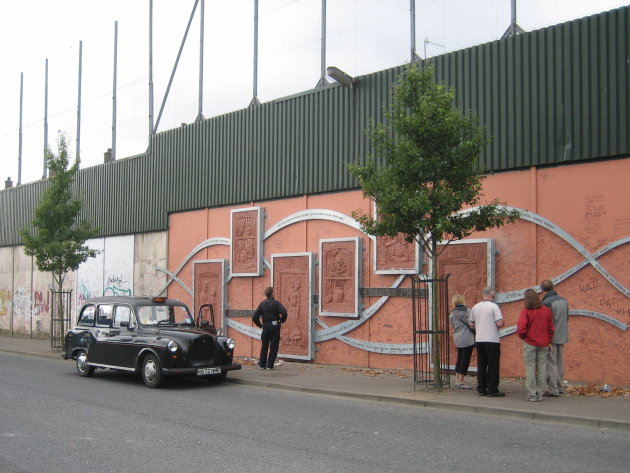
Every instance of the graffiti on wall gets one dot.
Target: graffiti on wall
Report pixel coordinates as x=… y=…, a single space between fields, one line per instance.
x=83 y=292
x=150 y=284
x=41 y=303
x=5 y=301
x=117 y=285
x=21 y=303
x=41 y=310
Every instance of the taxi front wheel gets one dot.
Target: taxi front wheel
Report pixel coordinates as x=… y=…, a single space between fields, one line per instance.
x=82 y=365
x=151 y=371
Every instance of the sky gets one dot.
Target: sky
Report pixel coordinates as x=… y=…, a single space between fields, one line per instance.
x=363 y=36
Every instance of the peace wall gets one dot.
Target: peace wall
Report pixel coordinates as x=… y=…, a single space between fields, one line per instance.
x=125 y=265
x=574 y=229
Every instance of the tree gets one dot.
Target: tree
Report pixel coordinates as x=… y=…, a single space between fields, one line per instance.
x=58 y=241
x=427 y=171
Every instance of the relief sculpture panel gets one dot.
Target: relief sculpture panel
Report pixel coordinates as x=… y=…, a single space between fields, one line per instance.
x=246 y=245
x=292 y=279
x=340 y=276
x=470 y=265
x=471 y=268
x=395 y=255
x=209 y=285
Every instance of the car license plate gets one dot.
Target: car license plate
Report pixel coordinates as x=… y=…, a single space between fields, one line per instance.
x=205 y=371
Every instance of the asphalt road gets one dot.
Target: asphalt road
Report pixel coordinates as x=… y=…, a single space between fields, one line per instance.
x=52 y=420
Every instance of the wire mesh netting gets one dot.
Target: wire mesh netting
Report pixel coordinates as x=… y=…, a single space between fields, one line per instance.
x=362 y=36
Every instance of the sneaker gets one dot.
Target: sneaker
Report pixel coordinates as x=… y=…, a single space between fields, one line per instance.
x=462 y=386
x=262 y=367
x=483 y=393
x=533 y=399
x=269 y=368
x=548 y=394
x=496 y=394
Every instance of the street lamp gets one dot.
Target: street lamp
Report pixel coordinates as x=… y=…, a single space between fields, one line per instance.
x=341 y=77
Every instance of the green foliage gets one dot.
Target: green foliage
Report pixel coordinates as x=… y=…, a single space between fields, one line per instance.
x=427 y=168
x=58 y=243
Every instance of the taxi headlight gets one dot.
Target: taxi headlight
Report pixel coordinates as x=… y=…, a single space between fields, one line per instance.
x=230 y=343
x=173 y=346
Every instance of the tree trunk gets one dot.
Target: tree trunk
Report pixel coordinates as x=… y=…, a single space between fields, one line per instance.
x=60 y=314
x=435 y=301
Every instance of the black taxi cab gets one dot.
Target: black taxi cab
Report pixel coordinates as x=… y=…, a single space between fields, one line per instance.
x=155 y=337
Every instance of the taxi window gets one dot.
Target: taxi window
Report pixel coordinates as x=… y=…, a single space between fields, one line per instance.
x=163 y=314
x=86 y=319
x=152 y=315
x=104 y=318
x=122 y=313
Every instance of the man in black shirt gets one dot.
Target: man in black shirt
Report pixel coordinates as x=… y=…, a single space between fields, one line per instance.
x=273 y=314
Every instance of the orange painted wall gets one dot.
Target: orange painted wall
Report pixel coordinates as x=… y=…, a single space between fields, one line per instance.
x=588 y=201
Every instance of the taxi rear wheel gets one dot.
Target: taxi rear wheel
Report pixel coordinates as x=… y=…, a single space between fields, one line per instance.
x=82 y=365
x=151 y=371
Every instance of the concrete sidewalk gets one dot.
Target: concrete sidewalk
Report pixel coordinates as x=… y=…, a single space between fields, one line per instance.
x=397 y=387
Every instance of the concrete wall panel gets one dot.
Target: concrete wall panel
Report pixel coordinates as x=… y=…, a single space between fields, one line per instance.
x=89 y=278
x=6 y=289
x=22 y=295
x=42 y=283
x=150 y=252
x=118 y=262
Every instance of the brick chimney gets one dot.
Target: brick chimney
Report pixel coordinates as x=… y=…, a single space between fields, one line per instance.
x=8 y=183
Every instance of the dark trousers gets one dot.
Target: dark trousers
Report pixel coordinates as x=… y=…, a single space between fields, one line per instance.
x=270 y=339
x=463 y=359
x=488 y=355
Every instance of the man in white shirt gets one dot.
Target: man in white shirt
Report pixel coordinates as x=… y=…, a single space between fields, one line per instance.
x=486 y=319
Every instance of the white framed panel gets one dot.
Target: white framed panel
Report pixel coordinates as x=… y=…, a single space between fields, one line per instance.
x=246 y=241
x=340 y=276
x=396 y=250
x=212 y=292
x=490 y=256
x=293 y=280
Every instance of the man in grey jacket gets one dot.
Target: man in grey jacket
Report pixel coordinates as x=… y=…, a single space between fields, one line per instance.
x=555 y=357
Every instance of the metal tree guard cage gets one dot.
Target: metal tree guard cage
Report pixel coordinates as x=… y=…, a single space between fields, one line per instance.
x=59 y=317
x=431 y=354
